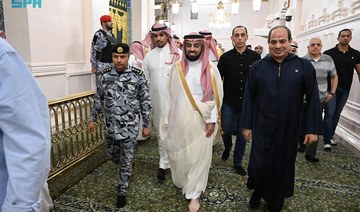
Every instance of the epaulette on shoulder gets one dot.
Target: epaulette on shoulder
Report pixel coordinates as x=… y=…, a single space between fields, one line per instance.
x=107 y=69
x=137 y=71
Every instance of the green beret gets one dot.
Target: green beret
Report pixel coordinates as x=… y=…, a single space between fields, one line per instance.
x=121 y=48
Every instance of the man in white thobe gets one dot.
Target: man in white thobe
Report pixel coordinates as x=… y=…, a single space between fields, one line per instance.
x=156 y=67
x=193 y=116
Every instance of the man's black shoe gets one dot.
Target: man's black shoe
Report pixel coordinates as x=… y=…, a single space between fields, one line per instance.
x=225 y=155
x=312 y=159
x=240 y=170
x=121 y=201
x=161 y=175
x=255 y=200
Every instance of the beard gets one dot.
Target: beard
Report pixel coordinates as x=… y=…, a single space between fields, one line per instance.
x=192 y=58
x=160 y=45
x=109 y=27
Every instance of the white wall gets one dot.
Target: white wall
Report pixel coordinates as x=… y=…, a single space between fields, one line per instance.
x=55 y=41
x=142 y=18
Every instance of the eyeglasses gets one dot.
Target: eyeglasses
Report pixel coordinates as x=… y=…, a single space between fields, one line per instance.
x=315 y=44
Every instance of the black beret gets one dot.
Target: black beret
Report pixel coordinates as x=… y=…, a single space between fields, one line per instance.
x=120 y=48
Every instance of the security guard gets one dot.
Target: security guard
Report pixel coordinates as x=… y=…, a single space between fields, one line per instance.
x=101 y=46
x=122 y=93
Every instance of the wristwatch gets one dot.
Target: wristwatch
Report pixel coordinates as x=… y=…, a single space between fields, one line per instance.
x=332 y=94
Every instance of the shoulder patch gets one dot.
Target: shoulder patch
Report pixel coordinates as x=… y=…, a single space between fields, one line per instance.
x=137 y=71
x=107 y=69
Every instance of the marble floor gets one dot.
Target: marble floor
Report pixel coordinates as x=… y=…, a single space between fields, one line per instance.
x=333 y=184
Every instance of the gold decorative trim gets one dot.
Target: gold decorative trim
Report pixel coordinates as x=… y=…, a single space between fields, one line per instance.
x=70 y=140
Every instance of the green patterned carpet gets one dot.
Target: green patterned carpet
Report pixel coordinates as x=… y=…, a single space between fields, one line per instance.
x=333 y=184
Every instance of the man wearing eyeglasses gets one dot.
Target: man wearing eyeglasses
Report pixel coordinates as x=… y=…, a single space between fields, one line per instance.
x=324 y=67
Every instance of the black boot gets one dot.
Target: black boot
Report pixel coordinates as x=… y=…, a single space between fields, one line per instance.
x=161 y=175
x=225 y=155
x=121 y=201
x=240 y=170
x=255 y=200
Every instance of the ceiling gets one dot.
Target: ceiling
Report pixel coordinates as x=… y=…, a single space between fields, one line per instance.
x=167 y=5
x=202 y=1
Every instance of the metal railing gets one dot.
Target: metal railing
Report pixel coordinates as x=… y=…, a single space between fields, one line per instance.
x=70 y=140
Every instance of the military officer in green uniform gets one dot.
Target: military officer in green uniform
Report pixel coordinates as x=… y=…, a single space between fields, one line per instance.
x=123 y=95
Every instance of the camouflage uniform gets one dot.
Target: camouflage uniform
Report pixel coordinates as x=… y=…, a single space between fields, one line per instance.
x=122 y=97
x=98 y=44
